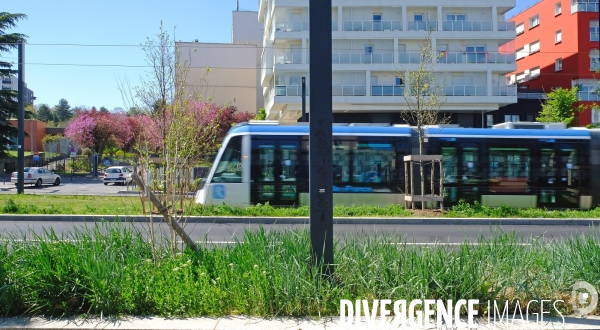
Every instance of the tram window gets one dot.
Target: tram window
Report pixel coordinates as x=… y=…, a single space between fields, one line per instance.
x=230 y=165
x=341 y=162
x=569 y=170
x=470 y=162
x=510 y=164
x=449 y=163
x=371 y=160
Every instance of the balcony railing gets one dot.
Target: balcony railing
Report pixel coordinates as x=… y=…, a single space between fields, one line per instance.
x=504 y=90
x=588 y=96
x=362 y=58
x=467 y=26
x=291 y=26
x=409 y=58
x=292 y=90
x=422 y=26
x=387 y=90
x=476 y=57
x=584 y=7
x=506 y=26
x=372 y=25
x=465 y=90
x=289 y=58
x=349 y=90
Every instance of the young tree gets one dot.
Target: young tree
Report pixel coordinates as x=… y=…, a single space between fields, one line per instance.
x=8 y=104
x=423 y=93
x=560 y=107
x=103 y=109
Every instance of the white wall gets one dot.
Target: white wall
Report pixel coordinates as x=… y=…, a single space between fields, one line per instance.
x=246 y=28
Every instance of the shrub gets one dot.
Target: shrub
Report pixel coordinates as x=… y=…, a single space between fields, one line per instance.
x=86 y=152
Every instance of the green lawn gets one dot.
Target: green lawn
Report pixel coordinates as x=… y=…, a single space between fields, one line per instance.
x=108 y=205
x=13 y=154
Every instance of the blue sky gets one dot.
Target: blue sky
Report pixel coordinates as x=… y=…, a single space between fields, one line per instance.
x=77 y=49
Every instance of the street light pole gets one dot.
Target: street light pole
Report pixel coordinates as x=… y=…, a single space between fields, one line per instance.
x=21 y=119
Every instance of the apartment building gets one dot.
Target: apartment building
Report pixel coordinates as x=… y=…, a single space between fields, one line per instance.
x=375 y=44
x=234 y=67
x=557 y=46
x=10 y=82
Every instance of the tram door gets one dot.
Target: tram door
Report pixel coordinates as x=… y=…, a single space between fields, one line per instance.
x=274 y=171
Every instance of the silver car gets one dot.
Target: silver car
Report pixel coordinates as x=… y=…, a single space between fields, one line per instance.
x=37 y=176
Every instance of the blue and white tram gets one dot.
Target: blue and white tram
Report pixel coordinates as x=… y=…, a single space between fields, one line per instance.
x=267 y=162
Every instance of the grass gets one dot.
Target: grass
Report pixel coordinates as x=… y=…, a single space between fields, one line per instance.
x=109 y=205
x=109 y=269
x=15 y=154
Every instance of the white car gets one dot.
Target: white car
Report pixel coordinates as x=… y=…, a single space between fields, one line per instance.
x=117 y=175
x=37 y=176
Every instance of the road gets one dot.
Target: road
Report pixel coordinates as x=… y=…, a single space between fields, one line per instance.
x=413 y=234
x=75 y=185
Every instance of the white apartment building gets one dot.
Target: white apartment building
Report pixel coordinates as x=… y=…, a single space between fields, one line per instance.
x=375 y=44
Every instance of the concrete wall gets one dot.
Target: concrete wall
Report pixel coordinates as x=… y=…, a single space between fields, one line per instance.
x=246 y=29
x=36 y=130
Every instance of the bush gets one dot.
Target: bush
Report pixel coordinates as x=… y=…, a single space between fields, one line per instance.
x=86 y=152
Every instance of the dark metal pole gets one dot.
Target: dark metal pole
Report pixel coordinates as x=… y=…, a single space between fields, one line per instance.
x=320 y=131
x=304 y=99
x=21 y=119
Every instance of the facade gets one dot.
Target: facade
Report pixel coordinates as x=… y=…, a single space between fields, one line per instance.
x=35 y=131
x=10 y=82
x=376 y=43
x=557 y=46
x=234 y=67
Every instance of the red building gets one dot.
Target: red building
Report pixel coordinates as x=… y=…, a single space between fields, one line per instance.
x=557 y=46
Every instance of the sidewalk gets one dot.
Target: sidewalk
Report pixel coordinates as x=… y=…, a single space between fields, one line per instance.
x=236 y=322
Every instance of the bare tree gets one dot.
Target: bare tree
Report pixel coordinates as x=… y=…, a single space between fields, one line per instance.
x=424 y=95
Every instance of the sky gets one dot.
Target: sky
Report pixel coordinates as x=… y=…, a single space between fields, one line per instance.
x=79 y=50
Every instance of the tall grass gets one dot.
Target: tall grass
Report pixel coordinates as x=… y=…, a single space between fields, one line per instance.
x=109 y=269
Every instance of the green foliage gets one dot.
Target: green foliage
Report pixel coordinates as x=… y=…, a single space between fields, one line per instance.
x=592 y=126
x=62 y=111
x=50 y=138
x=109 y=269
x=261 y=114
x=560 y=107
x=45 y=114
x=86 y=152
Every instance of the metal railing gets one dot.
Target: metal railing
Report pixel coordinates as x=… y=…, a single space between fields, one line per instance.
x=467 y=26
x=584 y=7
x=372 y=26
x=338 y=58
x=476 y=57
x=504 y=90
x=383 y=90
x=422 y=26
x=588 y=96
x=349 y=90
x=465 y=90
x=409 y=58
x=291 y=26
x=288 y=58
x=292 y=90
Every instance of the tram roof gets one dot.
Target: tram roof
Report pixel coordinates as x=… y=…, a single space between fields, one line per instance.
x=303 y=129
x=452 y=132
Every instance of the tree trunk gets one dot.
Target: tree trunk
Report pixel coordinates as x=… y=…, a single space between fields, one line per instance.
x=421 y=170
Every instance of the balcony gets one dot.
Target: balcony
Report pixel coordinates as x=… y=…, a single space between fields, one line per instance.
x=465 y=90
x=504 y=90
x=387 y=90
x=422 y=26
x=338 y=58
x=588 y=96
x=291 y=27
x=591 y=6
x=372 y=25
x=476 y=58
x=349 y=90
x=409 y=58
x=288 y=58
x=467 y=25
x=506 y=26
x=292 y=90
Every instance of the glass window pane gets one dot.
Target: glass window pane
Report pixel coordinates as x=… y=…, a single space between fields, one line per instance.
x=230 y=165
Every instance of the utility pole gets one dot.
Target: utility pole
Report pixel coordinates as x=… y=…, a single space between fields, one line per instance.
x=21 y=119
x=320 y=132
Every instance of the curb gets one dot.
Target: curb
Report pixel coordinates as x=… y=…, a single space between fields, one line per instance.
x=305 y=220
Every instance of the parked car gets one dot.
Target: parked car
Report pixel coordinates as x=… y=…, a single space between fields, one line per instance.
x=117 y=175
x=37 y=176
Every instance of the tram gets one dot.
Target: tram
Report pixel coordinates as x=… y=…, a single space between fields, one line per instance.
x=517 y=164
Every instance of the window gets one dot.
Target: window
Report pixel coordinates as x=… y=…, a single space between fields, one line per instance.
x=376 y=21
x=368 y=49
x=456 y=17
x=535 y=72
x=418 y=17
x=534 y=47
x=557 y=9
x=558 y=64
x=489 y=120
x=475 y=53
x=398 y=81
x=521 y=53
x=594 y=61
x=520 y=28
x=512 y=118
x=558 y=36
x=534 y=21
x=230 y=165
x=594 y=32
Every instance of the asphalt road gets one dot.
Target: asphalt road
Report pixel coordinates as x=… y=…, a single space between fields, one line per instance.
x=70 y=185
x=413 y=234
